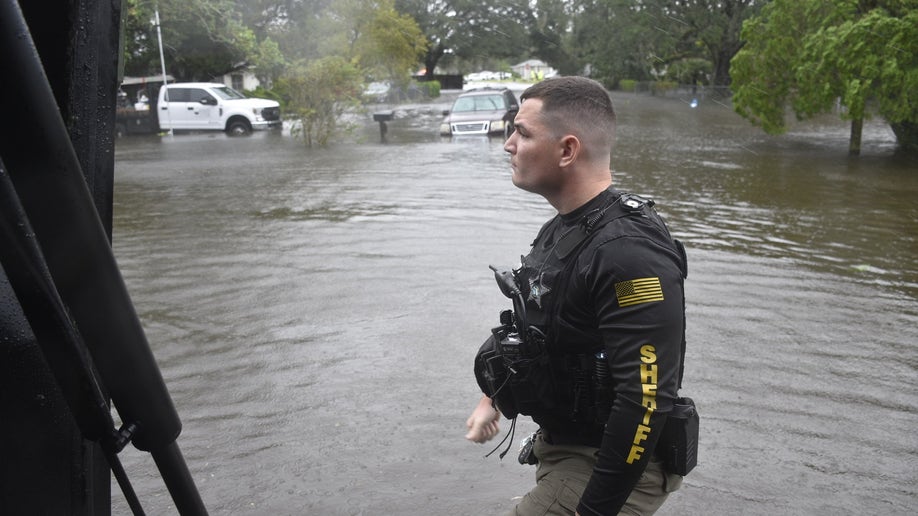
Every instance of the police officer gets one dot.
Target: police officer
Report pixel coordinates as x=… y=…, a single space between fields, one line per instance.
x=603 y=283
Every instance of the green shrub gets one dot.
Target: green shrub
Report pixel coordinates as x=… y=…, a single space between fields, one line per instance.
x=318 y=93
x=663 y=86
x=628 y=85
x=431 y=89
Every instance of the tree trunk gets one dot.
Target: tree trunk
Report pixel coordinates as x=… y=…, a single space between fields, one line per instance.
x=854 y=144
x=721 y=72
x=906 y=136
x=431 y=59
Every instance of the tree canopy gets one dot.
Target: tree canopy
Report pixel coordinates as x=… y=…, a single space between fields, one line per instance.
x=206 y=38
x=318 y=53
x=689 y=41
x=202 y=38
x=387 y=45
x=856 y=58
x=475 y=32
x=682 y=41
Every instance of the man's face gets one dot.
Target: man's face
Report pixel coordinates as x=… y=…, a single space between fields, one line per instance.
x=535 y=153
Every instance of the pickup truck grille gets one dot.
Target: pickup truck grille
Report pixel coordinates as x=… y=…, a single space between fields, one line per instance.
x=271 y=113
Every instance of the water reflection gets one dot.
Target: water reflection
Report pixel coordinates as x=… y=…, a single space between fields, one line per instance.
x=315 y=311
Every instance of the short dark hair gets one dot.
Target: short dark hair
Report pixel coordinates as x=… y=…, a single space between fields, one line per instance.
x=576 y=103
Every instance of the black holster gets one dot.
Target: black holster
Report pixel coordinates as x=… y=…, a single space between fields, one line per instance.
x=678 y=446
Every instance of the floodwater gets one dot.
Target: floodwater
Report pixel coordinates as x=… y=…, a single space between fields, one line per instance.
x=315 y=312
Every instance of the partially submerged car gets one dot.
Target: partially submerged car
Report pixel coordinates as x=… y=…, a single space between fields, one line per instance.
x=481 y=111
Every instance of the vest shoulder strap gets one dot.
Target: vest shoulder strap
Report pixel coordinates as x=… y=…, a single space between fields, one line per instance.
x=621 y=205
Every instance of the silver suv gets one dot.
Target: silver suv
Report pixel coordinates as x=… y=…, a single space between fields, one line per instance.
x=482 y=111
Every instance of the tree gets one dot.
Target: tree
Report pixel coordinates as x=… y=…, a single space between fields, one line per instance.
x=298 y=26
x=204 y=38
x=659 y=39
x=269 y=62
x=383 y=43
x=814 y=56
x=141 y=51
x=612 y=38
x=713 y=27
x=550 y=35
x=318 y=93
x=392 y=47
x=475 y=32
x=201 y=38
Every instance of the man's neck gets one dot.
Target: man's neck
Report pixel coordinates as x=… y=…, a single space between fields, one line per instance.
x=579 y=194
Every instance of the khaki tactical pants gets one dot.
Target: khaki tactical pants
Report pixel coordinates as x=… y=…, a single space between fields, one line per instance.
x=562 y=475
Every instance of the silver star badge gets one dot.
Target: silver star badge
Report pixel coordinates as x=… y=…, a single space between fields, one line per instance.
x=537 y=290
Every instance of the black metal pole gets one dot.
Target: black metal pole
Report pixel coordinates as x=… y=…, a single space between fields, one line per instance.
x=60 y=344
x=178 y=480
x=49 y=183
x=123 y=482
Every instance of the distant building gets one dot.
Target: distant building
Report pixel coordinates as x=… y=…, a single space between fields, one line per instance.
x=533 y=69
x=241 y=77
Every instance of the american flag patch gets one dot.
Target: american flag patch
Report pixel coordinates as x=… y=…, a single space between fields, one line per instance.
x=637 y=291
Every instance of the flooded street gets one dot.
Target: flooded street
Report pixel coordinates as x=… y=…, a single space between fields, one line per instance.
x=315 y=312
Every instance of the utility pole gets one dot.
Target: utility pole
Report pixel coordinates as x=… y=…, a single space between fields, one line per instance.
x=162 y=59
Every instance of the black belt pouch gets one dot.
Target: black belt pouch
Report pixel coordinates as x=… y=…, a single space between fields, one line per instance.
x=679 y=443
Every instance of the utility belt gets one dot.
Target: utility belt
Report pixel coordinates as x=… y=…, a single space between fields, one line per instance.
x=562 y=439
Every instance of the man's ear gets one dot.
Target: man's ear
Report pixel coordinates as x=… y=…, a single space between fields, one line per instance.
x=571 y=147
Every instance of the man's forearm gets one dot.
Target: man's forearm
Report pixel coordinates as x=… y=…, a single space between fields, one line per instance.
x=627 y=448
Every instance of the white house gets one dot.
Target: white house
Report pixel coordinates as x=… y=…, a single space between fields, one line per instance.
x=241 y=77
x=533 y=69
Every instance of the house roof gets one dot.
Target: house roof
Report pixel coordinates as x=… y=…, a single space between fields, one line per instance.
x=530 y=62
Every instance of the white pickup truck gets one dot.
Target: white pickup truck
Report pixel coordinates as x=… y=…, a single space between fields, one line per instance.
x=197 y=106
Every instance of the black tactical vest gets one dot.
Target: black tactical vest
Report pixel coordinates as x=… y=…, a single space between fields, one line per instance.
x=536 y=375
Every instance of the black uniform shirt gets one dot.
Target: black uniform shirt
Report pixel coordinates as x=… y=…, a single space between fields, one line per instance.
x=623 y=295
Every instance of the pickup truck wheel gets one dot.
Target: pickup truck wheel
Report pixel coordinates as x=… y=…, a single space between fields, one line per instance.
x=238 y=128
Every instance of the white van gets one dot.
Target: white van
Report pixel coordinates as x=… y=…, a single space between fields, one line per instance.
x=196 y=106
